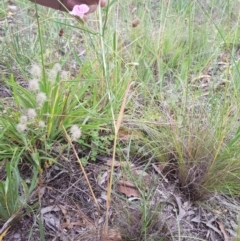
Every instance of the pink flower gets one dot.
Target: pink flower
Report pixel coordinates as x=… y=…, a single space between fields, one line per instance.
x=79 y=10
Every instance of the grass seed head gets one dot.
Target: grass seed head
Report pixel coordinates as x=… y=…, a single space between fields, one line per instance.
x=21 y=127
x=41 y=124
x=23 y=119
x=34 y=85
x=52 y=75
x=41 y=98
x=57 y=67
x=75 y=133
x=36 y=71
x=31 y=113
x=64 y=75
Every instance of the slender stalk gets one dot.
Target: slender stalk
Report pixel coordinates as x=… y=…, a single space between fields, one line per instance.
x=41 y=44
x=82 y=168
x=105 y=70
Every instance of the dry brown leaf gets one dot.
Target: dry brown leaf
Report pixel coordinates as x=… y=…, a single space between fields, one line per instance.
x=181 y=211
x=67 y=223
x=116 y=163
x=210 y=225
x=64 y=211
x=86 y=221
x=133 y=10
x=217 y=211
x=128 y=188
x=126 y=183
x=135 y=22
x=52 y=221
x=103 y=178
x=225 y=235
x=49 y=209
x=124 y=134
x=113 y=235
x=128 y=191
x=78 y=223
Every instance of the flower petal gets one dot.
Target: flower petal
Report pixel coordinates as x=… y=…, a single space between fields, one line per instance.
x=79 y=10
x=83 y=8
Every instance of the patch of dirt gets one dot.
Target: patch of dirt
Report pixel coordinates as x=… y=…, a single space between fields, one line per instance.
x=68 y=211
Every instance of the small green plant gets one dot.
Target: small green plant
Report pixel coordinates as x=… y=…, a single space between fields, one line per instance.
x=96 y=143
x=14 y=191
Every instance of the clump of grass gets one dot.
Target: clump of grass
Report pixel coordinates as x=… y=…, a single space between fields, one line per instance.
x=141 y=219
x=15 y=193
x=41 y=110
x=201 y=147
x=202 y=123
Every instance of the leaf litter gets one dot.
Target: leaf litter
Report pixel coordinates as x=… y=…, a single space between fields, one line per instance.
x=69 y=212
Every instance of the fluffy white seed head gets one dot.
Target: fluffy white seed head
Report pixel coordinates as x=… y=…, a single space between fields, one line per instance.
x=41 y=98
x=21 y=127
x=33 y=85
x=23 y=119
x=36 y=71
x=52 y=75
x=31 y=113
x=41 y=124
x=64 y=75
x=57 y=67
x=75 y=132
